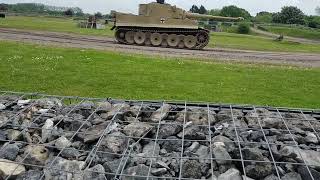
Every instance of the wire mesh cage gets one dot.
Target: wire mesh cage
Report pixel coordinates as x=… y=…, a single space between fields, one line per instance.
x=62 y=137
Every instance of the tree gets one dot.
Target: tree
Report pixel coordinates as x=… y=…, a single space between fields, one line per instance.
x=243 y=28
x=214 y=12
x=194 y=9
x=318 y=10
x=263 y=17
x=289 y=15
x=69 y=12
x=202 y=10
x=98 y=15
x=3 y=7
x=234 y=11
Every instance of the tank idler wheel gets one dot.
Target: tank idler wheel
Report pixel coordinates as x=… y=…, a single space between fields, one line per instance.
x=190 y=41
x=203 y=38
x=156 y=39
x=129 y=37
x=120 y=36
x=139 y=38
x=173 y=40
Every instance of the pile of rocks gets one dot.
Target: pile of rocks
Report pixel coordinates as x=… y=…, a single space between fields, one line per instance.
x=47 y=138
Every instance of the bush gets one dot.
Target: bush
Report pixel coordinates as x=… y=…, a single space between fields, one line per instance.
x=243 y=28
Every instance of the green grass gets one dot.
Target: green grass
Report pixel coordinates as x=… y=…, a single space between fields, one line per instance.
x=35 y=68
x=250 y=42
x=67 y=25
x=295 y=32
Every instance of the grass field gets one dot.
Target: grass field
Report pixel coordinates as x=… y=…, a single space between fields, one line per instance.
x=295 y=32
x=221 y=40
x=90 y=73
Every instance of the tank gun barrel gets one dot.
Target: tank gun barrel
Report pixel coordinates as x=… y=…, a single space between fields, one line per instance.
x=219 y=18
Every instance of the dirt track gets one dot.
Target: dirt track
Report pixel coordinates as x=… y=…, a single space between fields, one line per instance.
x=101 y=43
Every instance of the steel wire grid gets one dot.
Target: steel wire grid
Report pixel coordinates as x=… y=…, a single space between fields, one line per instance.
x=129 y=154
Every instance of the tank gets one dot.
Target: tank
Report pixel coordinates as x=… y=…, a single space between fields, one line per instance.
x=160 y=24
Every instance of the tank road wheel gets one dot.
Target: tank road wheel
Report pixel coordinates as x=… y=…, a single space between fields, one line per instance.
x=181 y=41
x=173 y=40
x=156 y=39
x=120 y=36
x=139 y=38
x=190 y=41
x=129 y=37
x=147 y=42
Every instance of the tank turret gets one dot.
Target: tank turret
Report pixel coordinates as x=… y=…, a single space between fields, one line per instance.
x=160 y=24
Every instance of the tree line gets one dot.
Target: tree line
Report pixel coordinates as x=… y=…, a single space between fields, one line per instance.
x=287 y=15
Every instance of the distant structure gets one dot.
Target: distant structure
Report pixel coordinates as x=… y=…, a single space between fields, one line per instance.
x=91 y=23
x=160 y=1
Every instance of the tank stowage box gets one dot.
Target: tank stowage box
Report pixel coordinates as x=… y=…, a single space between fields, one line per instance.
x=160 y=24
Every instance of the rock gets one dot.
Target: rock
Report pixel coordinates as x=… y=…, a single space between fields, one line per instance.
x=14 y=135
x=95 y=173
x=231 y=174
x=198 y=116
x=193 y=148
x=86 y=105
x=2 y=107
x=47 y=129
x=220 y=153
x=171 y=144
x=115 y=142
x=62 y=142
x=30 y=175
x=310 y=157
x=229 y=145
x=3 y=135
x=161 y=113
x=203 y=153
x=93 y=133
x=8 y=168
x=36 y=155
x=271 y=177
x=259 y=171
x=104 y=106
x=252 y=154
x=191 y=169
x=70 y=153
x=158 y=171
x=117 y=109
x=113 y=166
x=303 y=171
x=137 y=129
x=9 y=151
x=62 y=168
x=169 y=129
x=150 y=150
x=311 y=138
x=133 y=111
x=139 y=170
x=161 y=164
x=291 y=176
x=48 y=103
x=23 y=102
x=266 y=119
x=193 y=133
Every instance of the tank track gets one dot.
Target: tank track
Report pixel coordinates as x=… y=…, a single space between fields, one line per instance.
x=183 y=35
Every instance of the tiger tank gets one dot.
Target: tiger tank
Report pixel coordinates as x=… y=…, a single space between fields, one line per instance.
x=161 y=24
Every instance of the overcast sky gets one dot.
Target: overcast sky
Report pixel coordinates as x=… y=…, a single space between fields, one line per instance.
x=104 y=6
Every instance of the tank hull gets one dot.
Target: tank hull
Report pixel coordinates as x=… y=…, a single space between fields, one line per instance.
x=163 y=37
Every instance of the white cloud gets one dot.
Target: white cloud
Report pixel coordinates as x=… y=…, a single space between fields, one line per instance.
x=253 y=6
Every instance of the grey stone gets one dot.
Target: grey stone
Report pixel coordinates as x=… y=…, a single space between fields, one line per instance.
x=2 y=107
x=48 y=103
x=192 y=133
x=310 y=157
x=14 y=134
x=291 y=176
x=9 y=151
x=161 y=164
x=158 y=171
x=151 y=149
x=134 y=111
x=95 y=173
x=62 y=168
x=259 y=171
x=271 y=177
x=191 y=169
x=93 y=133
x=70 y=153
x=198 y=116
x=113 y=166
x=62 y=142
x=47 y=129
x=104 y=106
x=30 y=175
x=252 y=154
x=193 y=148
x=139 y=170
x=160 y=113
x=117 y=109
x=231 y=174
x=8 y=168
x=229 y=145
x=263 y=117
x=3 y=120
x=220 y=153
x=311 y=138
x=36 y=155
x=170 y=129
x=303 y=171
x=86 y=105
x=203 y=153
x=171 y=144
x=137 y=129
x=3 y=135
x=115 y=142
